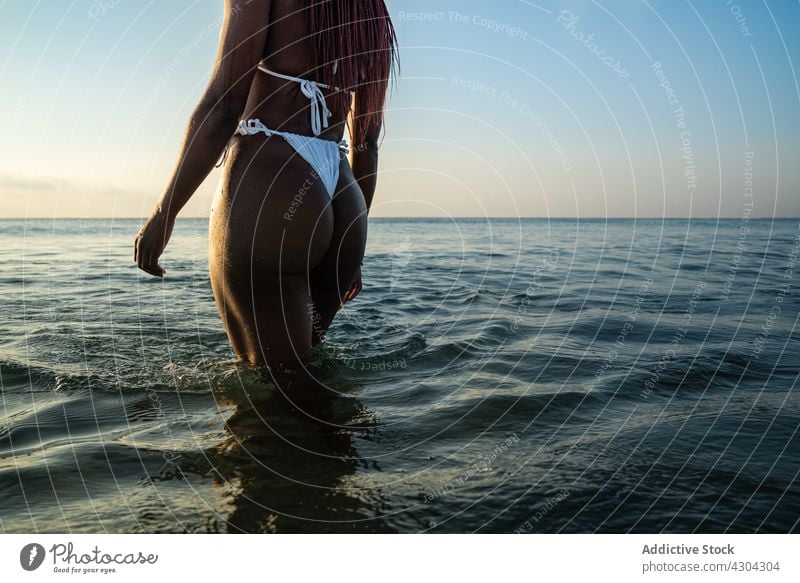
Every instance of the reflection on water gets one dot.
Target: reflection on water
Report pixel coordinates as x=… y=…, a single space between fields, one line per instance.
x=285 y=459
x=255 y=454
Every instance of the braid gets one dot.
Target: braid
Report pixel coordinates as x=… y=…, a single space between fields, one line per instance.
x=351 y=36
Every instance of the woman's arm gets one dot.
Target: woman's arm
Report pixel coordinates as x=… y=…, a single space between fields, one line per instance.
x=241 y=46
x=365 y=165
x=364 y=162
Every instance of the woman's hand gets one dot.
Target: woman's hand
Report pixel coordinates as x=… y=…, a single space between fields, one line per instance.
x=354 y=290
x=151 y=241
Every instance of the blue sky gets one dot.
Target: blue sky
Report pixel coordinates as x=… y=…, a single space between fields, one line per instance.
x=507 y=108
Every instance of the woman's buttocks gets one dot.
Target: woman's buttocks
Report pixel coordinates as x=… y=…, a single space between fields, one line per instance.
x=270 y=207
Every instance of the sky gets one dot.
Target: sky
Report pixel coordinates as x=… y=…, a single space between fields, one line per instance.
x=506 y=108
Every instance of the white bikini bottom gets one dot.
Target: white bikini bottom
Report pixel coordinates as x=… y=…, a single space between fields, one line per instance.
x=322 y=155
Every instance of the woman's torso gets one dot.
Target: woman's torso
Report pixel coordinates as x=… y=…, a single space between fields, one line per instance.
x=278 y=103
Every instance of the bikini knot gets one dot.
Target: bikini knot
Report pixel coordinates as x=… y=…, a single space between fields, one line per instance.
x=319 y=107
x=250 y=127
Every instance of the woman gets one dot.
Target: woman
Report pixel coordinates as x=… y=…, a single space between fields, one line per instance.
x=289 y=221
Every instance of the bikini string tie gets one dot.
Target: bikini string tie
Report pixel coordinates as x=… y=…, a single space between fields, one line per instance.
x=319 y=107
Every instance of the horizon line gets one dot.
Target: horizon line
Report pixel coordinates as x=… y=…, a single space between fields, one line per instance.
x=554 y=218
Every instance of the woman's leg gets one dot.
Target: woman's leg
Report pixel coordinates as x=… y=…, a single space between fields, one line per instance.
x=337 y=269
x=268 y=322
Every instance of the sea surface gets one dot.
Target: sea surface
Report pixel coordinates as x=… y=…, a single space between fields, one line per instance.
x=494 y=375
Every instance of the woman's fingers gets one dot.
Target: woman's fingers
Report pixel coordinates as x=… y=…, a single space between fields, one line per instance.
x=153 y=268
x=158 y=271
x=149 y=245
x=151 y=265
x=345 y=298
x=352 y=291
x=356 y=289
x=146 y=260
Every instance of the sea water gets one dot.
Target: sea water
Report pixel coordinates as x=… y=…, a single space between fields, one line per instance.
x=494 y=375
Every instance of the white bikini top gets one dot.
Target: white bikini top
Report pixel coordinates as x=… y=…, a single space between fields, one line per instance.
x=313 y=90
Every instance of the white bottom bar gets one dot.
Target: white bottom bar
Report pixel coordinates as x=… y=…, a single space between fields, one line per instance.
x=402 y=558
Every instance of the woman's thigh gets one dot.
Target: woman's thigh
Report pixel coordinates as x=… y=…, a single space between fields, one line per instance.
x=340 y=264
x=337 y=269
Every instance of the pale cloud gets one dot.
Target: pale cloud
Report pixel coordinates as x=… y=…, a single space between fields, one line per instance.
x=25 y=182
x=27 y=196
x=37 y=196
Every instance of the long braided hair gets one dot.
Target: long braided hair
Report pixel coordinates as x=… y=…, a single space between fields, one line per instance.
x=351 y=37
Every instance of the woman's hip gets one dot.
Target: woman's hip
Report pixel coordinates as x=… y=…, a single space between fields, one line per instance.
x=274 y=216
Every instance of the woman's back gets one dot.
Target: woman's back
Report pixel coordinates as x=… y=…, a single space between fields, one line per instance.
x=289 y=50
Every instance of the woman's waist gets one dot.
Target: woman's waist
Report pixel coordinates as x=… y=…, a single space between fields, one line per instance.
x=281 y=149
x=295 y=122
x=255 y=126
